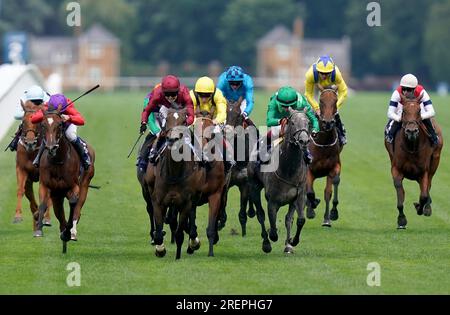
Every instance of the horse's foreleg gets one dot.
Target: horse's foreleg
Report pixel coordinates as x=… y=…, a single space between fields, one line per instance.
x=242 y=211
x=182 y=225
x=334 y=214
x=398 y=184
x=76 y=199
x=194 y=242
x=288 y=223
x=58 y=208
x=21 y=180
x=149 y=208
x=255 y=195
x=424 y=206
x=272 y=210
x=327 y=196
x=212 y=229
x=159 y=215
x=312 y=202
x=300 y=206
x=222 y=219
x=43 y=199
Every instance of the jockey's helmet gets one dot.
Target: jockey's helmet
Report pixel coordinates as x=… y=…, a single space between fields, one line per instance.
x=34 y=93
x=286 y=97
x=204 y=85
x=57 y=101
x=170 y=83
x=325 y=64
x=409 y=81
x=235 y=74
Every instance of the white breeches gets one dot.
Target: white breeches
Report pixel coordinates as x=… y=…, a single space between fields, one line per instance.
x=71 y=133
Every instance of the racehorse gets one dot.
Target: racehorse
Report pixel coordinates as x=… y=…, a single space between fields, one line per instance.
x=59 y=170
x=325 y=149
x=239 y=175
x=172 y=184
x=414 y=157
x=29 y=143
x=286 y=184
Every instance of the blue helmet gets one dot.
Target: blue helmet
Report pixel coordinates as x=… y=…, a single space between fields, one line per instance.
x=235 y=73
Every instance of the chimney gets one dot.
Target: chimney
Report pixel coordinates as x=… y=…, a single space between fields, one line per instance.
x=298 y=28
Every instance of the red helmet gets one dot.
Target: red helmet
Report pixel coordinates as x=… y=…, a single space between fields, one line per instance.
x=170 y=83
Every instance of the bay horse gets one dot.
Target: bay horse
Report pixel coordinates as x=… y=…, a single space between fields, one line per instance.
x=239 y=175
x=173 y=184
x=414 y=157
x=60 y=177
x=325 y=149
x=29 y=143
x=285 y=185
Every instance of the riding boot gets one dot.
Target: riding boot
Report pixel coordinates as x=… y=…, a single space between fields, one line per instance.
x=228 y=159
x=307 y=155
x=154 y=152
x=341 y=130
x=392 y=130
x=433 y=136
x=142 y=160
x=37 y=159
x=82 y=151
x=13 y=145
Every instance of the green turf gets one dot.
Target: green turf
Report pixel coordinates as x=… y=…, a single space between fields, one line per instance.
x=116 y=258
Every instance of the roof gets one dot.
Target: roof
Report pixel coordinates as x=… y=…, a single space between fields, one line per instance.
x=97 y=33
x=278 y=35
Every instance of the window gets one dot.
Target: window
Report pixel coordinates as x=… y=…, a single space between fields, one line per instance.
x=283 y=52
x=95 y=74
x=95 y=51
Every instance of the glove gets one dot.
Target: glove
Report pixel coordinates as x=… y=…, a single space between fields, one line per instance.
x=314 y=133
x=245 y=115
x=143 y=128
x=190 y=120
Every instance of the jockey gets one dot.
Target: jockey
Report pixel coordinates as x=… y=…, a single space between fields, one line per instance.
x=326 y=73
x=234 y=83
x=170 y=92
x=287 y=97
x=409 y=87
x=206 y=97
x=34 y=94
x=72 y=119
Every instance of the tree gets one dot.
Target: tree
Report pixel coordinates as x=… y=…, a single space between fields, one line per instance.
x=245 y=21
x=437 y=37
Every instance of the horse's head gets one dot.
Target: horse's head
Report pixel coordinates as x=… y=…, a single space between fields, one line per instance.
x=410 y=117
x=234 y=117
x=30 y=131
x=53 y=126
x=297 y=129
x=175 y=124
x=328 y=106
x=204 y=126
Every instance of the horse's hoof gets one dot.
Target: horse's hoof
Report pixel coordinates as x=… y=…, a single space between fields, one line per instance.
x=289 y=249
x=216 y=239
x=315 y=203
x=326 y=223
x=427 y=211
x=401 y=222
x=295 y=241
x=334 y=215
x=273 y=235
x=189 y=251
x=38 y=233
x=418 y=209
x=152 y=242
x=194 y=244
x=160 y=253
x=220 y=225
x=73 y=237
x=266 y=247
x=251 y=213
x=47 y=223
x=310 y=213
x=64 y=236
x=17 y=220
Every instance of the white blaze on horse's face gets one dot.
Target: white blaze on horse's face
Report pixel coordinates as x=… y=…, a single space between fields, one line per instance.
x=50 y=121
x=176 y=115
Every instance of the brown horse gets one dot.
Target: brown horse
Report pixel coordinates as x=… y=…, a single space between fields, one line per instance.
x=325 y=149
x=414 y=157
x=239 y=175
x=60 y=175
x=29 y=143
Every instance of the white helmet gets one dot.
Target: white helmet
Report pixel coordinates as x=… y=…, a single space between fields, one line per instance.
x=34 y=93
x=409 y=80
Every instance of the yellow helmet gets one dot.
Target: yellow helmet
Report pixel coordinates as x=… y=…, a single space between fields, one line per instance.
x=204 y=85
x=325 y=64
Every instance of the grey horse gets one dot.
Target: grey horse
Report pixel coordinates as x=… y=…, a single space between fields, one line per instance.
x=284 y=185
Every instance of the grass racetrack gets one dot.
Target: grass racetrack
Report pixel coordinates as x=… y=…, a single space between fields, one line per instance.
x=113 y=244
